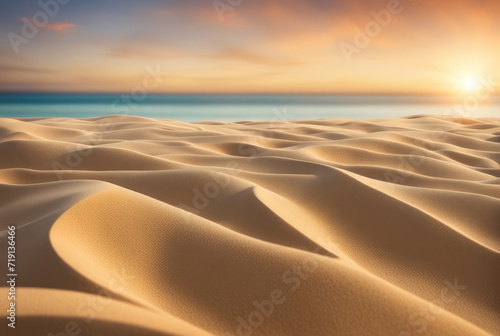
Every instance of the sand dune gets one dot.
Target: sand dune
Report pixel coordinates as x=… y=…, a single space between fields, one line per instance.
x=136 y=226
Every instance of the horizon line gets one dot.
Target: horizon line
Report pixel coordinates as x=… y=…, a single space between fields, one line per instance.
x=248 y=93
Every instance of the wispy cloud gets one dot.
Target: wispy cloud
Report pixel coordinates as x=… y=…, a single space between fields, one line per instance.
x=6 y=68
x=58 y=27
x=247 y=55
x=138 y=51
x=230 y=53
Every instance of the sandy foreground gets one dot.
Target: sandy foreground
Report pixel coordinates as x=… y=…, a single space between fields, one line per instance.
x=136 y=226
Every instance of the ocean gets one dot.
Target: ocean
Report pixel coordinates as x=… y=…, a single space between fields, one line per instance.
x=191 y=108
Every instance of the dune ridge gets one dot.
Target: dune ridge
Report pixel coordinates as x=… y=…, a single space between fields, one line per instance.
x=139 y=226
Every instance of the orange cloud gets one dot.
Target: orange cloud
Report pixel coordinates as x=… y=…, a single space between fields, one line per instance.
x=58 y=27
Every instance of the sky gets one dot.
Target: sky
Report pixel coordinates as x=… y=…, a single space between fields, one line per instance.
x=250 y=46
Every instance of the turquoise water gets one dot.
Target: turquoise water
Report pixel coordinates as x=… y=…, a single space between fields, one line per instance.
x=238 y=108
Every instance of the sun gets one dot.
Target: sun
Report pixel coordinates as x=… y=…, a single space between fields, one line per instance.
x=469 y=84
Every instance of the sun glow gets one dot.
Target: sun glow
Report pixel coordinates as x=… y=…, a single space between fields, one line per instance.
x=469 y=83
